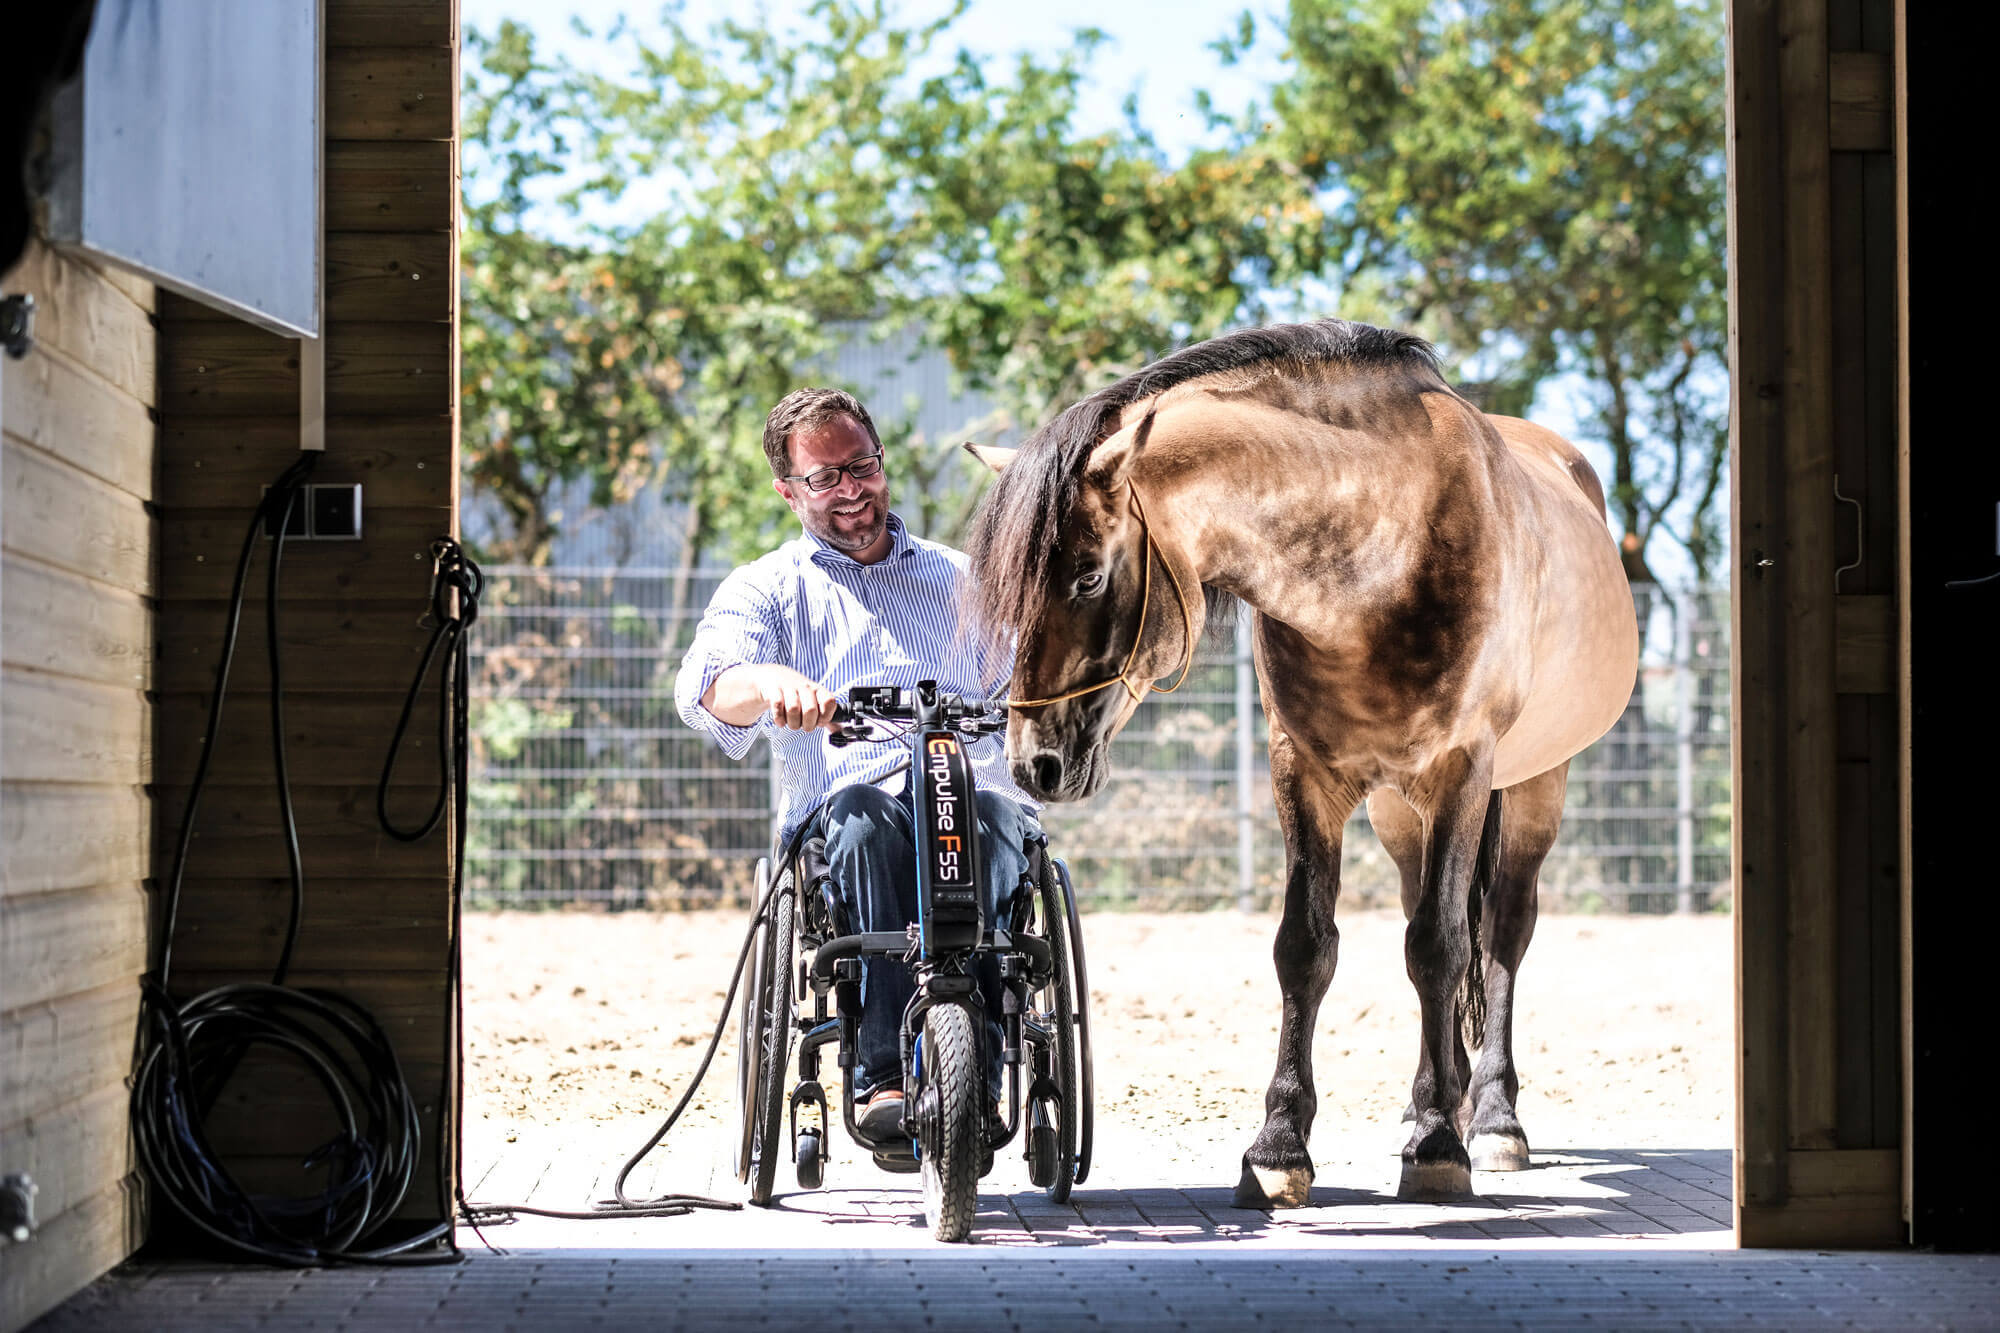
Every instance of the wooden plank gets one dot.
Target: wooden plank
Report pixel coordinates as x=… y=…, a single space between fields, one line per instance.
x=61 y=624
x=330 y=738
x=392 y=561
x=65 y=410
x=55 y=944
x=232 y=369
x=1812 y=937
x=1864 y=644
x=71 y=1251
x=368 y=925
x=1855 y=1092
x=400 y=462
x=390 y=276
x=225 y=367
x=54 y=729
x=1839 y=1198
x=87 y=319
x=65 y=517
x=71 y=837
x=75 y=1151
x=49 y=1052
x=390 y=93
x=390 y=23
x=237 y=831
x=390 y=186
x=345 y=647
x=1858 y=90
x=1756 y=300
x=393 y=370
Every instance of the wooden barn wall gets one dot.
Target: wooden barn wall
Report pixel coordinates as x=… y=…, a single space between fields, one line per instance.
x=76 y=621
x=376 y=920
x=1813 y=252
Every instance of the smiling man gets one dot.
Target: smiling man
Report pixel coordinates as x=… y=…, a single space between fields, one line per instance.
x=855 y=600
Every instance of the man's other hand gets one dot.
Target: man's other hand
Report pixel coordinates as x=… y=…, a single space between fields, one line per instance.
x=742 y=694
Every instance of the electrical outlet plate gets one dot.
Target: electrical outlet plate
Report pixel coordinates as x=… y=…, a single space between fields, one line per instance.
x=325 y=512
x=336 y=511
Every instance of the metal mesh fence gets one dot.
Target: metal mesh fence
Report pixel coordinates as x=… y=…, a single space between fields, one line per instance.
x=587 y=788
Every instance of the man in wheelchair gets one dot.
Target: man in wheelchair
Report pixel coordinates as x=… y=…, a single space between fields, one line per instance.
x=854 y=600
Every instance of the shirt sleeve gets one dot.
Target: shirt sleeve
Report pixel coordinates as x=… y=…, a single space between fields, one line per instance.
x=742 y=626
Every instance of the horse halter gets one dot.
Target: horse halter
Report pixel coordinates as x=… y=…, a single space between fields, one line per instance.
x=1124 y=676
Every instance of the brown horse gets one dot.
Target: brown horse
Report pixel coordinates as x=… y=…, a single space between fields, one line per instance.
x=1441 y=623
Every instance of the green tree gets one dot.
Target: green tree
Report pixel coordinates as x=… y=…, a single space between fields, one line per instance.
x=1539 y=186
x=796 y=189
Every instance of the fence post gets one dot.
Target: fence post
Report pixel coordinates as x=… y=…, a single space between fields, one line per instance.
x=1246 y=767
x=1684 y=749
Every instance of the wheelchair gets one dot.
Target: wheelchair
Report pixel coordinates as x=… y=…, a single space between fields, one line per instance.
x=803 y=989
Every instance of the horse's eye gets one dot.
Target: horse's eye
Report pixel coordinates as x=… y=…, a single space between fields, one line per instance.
x=1090 y=584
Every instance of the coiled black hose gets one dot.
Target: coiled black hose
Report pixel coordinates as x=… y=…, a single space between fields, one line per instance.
x=189 y=1051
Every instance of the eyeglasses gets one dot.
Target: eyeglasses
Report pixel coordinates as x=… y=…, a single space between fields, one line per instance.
x=826 y=478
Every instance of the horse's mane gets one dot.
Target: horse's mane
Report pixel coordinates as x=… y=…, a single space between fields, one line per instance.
x=1019 y=524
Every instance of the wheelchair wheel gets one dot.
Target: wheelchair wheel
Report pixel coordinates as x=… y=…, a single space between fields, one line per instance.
x=1086 y=1078
x=951 y=1124
x=1061 y=1120
x=775 y=1048
x=750 y=1008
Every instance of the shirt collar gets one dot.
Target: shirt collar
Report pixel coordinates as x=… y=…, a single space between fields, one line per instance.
x=901 y=547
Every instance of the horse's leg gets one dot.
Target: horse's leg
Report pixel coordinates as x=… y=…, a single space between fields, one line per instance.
x=1400 y=830
x=1278 y=1171
x=1530 y=814
x=1437 y=948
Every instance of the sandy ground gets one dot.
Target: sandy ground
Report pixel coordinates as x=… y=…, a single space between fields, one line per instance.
x=583 y=1027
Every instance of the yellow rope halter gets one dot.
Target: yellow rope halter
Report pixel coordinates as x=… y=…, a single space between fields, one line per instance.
x=1145 y=600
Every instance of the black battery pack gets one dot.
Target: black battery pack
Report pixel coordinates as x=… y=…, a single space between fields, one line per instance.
x=950 y=912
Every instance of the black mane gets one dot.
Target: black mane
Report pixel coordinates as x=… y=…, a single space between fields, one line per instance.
x=1018 y=525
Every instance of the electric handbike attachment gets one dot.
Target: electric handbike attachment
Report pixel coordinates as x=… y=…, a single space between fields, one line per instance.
x=805 y=955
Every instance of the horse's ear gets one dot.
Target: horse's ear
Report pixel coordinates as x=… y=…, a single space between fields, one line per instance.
x=993 y=455
x=1112 y=462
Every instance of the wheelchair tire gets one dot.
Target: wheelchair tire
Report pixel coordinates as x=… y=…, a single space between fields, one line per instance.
x=809 y=1161
x=775 y=1047
x=750 y=1007
x=951 y=1121
x=1053 y=911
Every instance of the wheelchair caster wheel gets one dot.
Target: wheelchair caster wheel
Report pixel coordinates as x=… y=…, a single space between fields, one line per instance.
x=1044 y=1156
x=809 y=1162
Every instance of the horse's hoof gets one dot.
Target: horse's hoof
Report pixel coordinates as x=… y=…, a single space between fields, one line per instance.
x=1268 y=1187
x=1498 y=1152
x=1435 y=1182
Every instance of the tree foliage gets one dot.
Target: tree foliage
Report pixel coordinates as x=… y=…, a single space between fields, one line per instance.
x=1538 y=185
x=781 y=193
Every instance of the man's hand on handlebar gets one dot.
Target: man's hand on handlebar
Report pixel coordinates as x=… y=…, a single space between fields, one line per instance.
x=742 y=694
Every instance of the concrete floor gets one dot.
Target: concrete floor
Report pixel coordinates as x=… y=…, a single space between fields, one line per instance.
x=1634 y=1237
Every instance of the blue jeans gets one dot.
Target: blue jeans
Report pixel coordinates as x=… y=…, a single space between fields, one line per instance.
x=871 y=850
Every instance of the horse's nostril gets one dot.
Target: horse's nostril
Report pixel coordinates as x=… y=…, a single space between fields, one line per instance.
x=1048 y=772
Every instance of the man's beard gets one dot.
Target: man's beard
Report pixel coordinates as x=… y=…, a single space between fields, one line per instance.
x=849 y=538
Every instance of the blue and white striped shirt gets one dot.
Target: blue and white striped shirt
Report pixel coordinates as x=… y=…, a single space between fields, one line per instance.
x=842 y=623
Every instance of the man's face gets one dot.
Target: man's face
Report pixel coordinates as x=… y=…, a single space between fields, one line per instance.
x=852 y=516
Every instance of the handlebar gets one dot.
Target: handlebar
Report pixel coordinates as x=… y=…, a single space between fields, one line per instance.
x=968 y=713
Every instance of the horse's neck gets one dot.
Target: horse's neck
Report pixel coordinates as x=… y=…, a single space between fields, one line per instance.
x=1287 y=520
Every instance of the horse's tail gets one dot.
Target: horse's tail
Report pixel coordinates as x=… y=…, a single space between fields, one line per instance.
x=1485 y=868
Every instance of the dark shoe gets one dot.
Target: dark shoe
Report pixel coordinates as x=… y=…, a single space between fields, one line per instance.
x=882 y=1114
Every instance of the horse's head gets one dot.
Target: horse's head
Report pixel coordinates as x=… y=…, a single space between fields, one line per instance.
x=1074 y=570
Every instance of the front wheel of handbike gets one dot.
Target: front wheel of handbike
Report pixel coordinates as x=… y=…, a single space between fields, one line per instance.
x=1059 y=1005
x=951 y=1125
